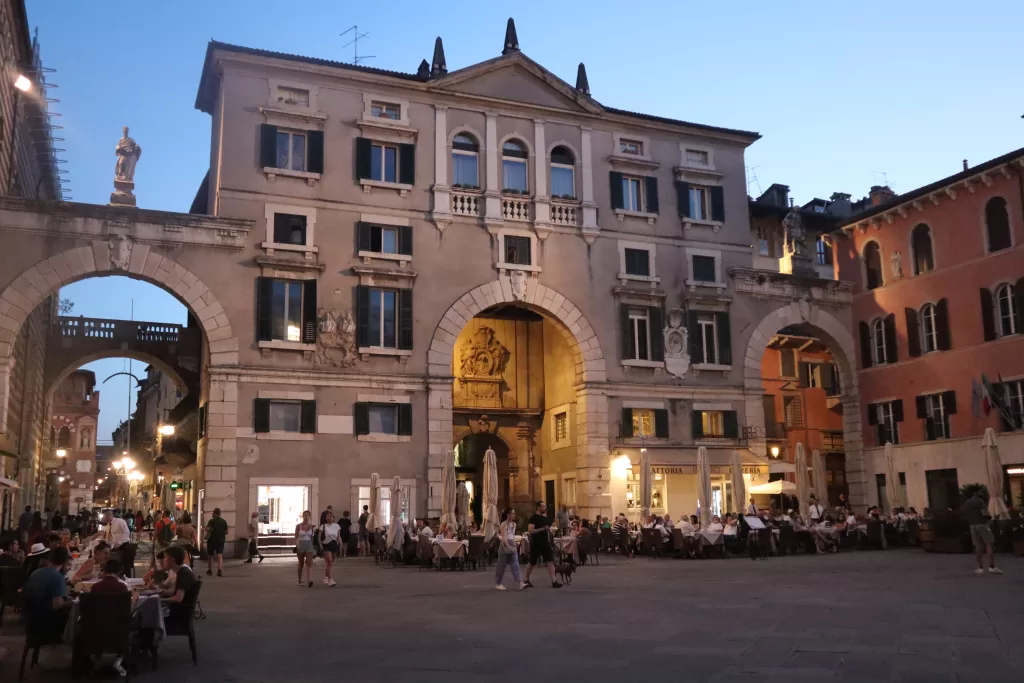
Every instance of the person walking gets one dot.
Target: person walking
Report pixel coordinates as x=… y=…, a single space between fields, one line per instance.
x=364 y=536
x=304 y=549
x=540 y=545
x=216 y=535
x=188 y=538
x=254 y=534
x=330 y=544
x=508 y=553
x=24 y=524
x=346 y=532
x=323 y=515
x=976 y=511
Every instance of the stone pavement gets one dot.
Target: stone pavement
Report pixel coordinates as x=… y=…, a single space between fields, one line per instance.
x=899 y=615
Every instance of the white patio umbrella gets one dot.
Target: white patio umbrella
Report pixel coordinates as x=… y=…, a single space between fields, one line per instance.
x=893 y=490
x=374 y=521
x=491 y=517
x=704 y=485
x=994 y=468
x=448 y=490
x=645 y=485
x=774 y=488
x=462 y=506
x=396 y=535
x=801 y=479
x=818 y=478
x=739 y=494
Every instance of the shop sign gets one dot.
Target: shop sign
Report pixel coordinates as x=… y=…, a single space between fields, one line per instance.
x=715 y=469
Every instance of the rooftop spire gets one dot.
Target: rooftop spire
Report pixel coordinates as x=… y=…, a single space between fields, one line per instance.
x=582 y=84
x=424 y=70
x=511 y=39
x=438 y=67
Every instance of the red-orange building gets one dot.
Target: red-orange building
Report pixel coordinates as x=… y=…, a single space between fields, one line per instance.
x=940 y=302
x=76 y=410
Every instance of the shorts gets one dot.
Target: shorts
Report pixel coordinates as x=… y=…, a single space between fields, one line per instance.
x=331 y=547
x=541 y=551
x=215 y=547
x=363 y=534
x=981 y=535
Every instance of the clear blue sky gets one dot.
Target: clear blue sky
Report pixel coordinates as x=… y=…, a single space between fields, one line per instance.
x=842 y=92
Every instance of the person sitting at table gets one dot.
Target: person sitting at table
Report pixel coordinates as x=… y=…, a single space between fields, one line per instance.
x=695 y=522
x=91 y=568
x=686 y=527
x=35 y=558
x=659 y=526
x=716 y=524
x=669 y=524
x=46 y=597
x=423 y=529
x=184 y=579
x=110 y=579
x=9 y=553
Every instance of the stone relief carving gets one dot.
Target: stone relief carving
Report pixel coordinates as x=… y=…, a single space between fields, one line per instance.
x=677 y=344
x=517 y=279
x=793 y=224
x=482 y=361
x=120 y=251
x=896 y=263
x=336 y=343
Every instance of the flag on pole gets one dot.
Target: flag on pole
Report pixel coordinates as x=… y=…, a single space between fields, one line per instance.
x=975 y=398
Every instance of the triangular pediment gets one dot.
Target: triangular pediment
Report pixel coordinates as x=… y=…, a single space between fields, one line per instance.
x=517 y=78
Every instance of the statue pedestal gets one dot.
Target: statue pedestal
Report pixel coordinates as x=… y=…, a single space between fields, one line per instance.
x=122 y=194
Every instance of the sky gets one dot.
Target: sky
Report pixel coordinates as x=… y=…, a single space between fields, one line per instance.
x=846 y=95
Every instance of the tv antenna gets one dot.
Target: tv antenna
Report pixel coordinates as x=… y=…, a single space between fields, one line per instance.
x=356 y=35
x=752 y=178
x=881 y=175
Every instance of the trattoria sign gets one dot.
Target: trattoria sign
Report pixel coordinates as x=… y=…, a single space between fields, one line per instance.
x=715 y=469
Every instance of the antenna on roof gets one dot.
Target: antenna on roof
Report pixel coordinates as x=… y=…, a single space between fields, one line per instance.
x=752 y=178
x=883 y=176
x=356 y=35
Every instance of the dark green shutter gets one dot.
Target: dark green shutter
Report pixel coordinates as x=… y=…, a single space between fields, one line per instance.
x=261 y=415
x=827 y=376
x=628 y=343
x=897 y=411
x=873 y=414
x=264 y=297
x=309 y=312
x=693 y=330
x=913 y=332
x=661 y=423
x=364 y=152
x=697 y=424
x=683 y=198
x=362 y=316
x=718 y=204
x=315 y=153
x=615 y=180
x=724 y=338
x=405 y=419
x=202 y=421
x=865 y=345
x=890 y=338
x=921 y=404
x=805 y=375
x=731 y=424
x=268 y=146
x=651 y=189
x=988 y=320
x=405 y=319
x=307 y=417
x=361 y=418
x=949 y=402
x=1018 y=303
x=942 y=336
x=405 y=240
x=626 y=425
x=656 y=333
x=407 y=164
x=364 y=232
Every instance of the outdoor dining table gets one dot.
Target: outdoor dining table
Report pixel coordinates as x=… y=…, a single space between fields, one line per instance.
x=147 y=615
x=523 y=544
x=449 y=548
x=711 y=537
x=567 y=545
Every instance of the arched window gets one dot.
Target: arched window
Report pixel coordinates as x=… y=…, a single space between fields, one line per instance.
x=563 y=174
x=873 y=265
x=465 y=162
x=929 y=329
x=514 y=168
x=64 y=437
x=921 y=243
x=997 y=224
x=1006 y=310
x=878 y=347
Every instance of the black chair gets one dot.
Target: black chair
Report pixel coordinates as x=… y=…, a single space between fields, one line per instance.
x=475 y=551
x=105 y=626
x=608 y=540
x=787 y=540
x=595 y=546
x=38 y=635
x=876 y=537
x=11 y=581
x=425 y=552
x=181 y=621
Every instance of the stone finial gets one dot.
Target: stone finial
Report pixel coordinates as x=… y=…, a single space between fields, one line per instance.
x=424 y=70
x=128 y=152
x=511 y=39
x=582 y=84
x=438 y=67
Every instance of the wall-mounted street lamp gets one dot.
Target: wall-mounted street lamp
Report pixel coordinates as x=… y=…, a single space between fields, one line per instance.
x=166 y=430
x=22 y=83
x=62 y=452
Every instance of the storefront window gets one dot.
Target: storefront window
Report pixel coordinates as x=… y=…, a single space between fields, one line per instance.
x=385 y=501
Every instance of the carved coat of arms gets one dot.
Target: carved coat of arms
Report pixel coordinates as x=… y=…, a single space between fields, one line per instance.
x=483 y=356
x=120 y=251
x=677 y=345
x=336 y=341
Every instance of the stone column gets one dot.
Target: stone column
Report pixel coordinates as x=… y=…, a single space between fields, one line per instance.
x=218 y=454
x=593 y=461
x=589 y=205
x=853 y=444
x=492 y=179
x=440 y=435
x=541 y=208
x=442 y=196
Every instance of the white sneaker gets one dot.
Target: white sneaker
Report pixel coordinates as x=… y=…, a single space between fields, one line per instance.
x=332 y=583
x=301 y=582
x=120 y=669
x=979 y=571
x=326 y=581
x=995 y=570
x=499 y=587
x=522 y=585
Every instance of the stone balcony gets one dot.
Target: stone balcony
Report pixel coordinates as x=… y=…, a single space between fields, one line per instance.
x=565 y=212
x=466 y=203
x=516 y=208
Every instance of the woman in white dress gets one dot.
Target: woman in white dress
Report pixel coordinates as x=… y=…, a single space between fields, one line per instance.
x=330 y=542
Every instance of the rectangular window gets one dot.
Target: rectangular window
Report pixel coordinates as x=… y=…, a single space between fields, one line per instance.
x=464 y=170
x=632 y=193
x=561 y=427
x=699 y=203
x=1013 y=397
x=517 y=250
x=696 y=157
x=787 y=363
x=385 y=110
x=823 y=251
x=291 y=150
x=811 y=375
x=383 y=322
x=383 y=418
x=639 y=326
x=643 y=422
x=563 y=181
x=936 y=417
x=289 y=229
x=569 y=491
x=514 y=176
x=763 y=248
x=886 y=430
x=286 y=310
x=638 y=262
x=793 y=411
x=712 y=423
x=634 y=147
x=384 y=239
x=384 y=163
x=285 y=416
x=704 y=269
x=293 y=96
x=708 y=337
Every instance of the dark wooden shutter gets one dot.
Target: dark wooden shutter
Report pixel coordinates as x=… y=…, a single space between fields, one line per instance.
x=405 y=240
x=268 y=146
x=913 y=332
x=873 y=414
x=731 y=423
x=897 y=411
x=651 y=188
x=718 y=204
x=683 y=198
x=407 y=164
x=693 y=331
x=615 y=180
x=661 y=423
x=1018 y=303
x=202 y=421
x=697 y=424
x=362 y=316
x=929 y=428
x=261 y=415
x=865 y=345
x=988 y=320
x=264 y=297
x=827 y=370
x=805 y=374
x=405 y=319
x=361 y=418
x=891 y=356
x=942 y=333
x=315 y=153
x=307 y=417
x=628 y=346
x=656 y=333
x=787 y=362
x=405 y=419
x=364 y=236
x=626 y=425
x=309 y=312
x=364 y=153
x=949 y=402
x=921 y=403
x=724 y=338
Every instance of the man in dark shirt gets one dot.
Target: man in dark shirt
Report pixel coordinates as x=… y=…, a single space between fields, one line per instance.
x=216 y=535
x=363 y=536
x=540 y=545
x=24 y=522
x=110 y=579
x=976 y=512
x=184 y=579
x=8 y=553
x=323 y=515
x=46 y=593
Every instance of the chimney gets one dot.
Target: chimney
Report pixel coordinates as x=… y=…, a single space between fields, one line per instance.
x=965 y=164
x=438 y=67
x=424 y=70
x=880 y=194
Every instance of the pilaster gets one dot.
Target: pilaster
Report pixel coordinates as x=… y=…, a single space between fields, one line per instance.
x=589 y=205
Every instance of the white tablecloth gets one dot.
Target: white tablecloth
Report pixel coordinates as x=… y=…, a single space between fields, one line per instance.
x=711 y=537
x=568 y=546
x=147 y=614
x=449 y=548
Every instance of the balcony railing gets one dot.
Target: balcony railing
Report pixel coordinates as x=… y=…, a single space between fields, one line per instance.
x=465 y=203
x=563 y=213
x=515 y=208
x=832 y=442
x=118 y=330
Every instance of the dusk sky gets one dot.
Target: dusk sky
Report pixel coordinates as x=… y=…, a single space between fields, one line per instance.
x=846 y=95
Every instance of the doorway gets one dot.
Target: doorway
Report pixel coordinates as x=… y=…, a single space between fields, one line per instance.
x=469 y=468
x=549 y=498
x=280 y=508
x=943 y=490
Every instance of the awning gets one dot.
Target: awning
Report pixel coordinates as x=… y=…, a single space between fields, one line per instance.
x=782 y=467
x=773 y=488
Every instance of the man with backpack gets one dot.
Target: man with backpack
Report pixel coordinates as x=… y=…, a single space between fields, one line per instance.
x=163 y=532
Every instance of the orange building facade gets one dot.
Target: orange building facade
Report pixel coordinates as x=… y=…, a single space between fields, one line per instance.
x=76 y=410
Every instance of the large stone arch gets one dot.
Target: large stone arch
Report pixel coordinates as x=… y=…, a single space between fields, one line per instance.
x=839 y=339
x=589 y=363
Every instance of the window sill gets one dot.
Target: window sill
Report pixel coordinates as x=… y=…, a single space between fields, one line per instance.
x=384 y=438
x=296 y=111
x=693 y=284
x=637 y=442
x=708 y=171
x=282 y=345
x=307 y=249
x=367 y=351
x=622 y=213
x=502 y=266
x=626 y=277
x=714 y=441
x=283 y=436
x=714 y=367
x=367 y=256
x=633 y=161
x=691 y=223
x=311 y=178
x=389 y=127
x=637 y=363
x=401 y=188
x=557 y=445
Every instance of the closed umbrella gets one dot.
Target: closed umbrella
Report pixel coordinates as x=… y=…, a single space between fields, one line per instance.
x=374 y=521
x=645 y=485
x=893 y=490
x=739 y=494
x=396 y=533
x=801 y=479
x=448 y=491
x=462 y=507
x=704 y=485
x=491 y=518
x=994 y=466
x=818 y=477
